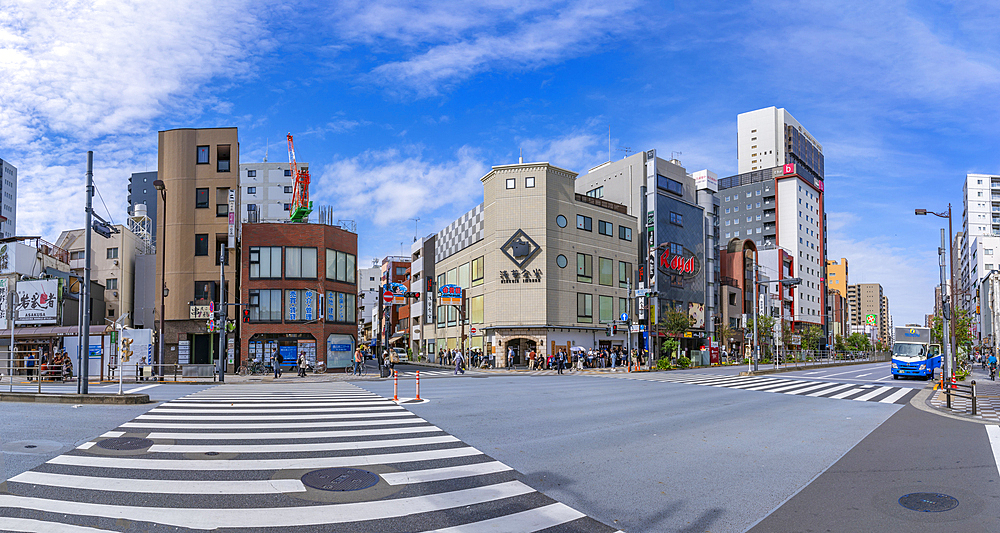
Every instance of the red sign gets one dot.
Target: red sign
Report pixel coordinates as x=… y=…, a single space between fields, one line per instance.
x=789 y=169
x=677 y=263
x=387 y=297
x=472 y=331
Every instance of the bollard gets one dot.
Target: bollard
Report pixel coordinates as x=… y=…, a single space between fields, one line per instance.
x=418 y=384
x=395 y=386
x=973 y=397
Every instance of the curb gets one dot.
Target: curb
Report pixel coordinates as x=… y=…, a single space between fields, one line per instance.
x=922 y=401
x=101 y=399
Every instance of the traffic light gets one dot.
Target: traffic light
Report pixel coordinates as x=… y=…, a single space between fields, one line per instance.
x=246 y=315
x=608 y=331
x=614 y=329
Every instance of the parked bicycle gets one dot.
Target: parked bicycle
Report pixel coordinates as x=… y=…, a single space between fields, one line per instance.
x=350 y=369
x=254 y=368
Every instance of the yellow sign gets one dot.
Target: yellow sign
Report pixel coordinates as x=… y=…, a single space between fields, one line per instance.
x=688 y=335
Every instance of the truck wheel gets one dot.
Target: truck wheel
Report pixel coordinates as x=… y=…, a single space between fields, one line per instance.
x=895 y=376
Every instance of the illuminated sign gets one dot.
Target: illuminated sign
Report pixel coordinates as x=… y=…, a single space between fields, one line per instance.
x=450 y=295
x=686 y=265
x=870 y=320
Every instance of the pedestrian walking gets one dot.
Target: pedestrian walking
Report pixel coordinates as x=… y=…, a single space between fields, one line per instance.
x=510 y=358
x=560 y=361
x=277 y=359
x=459 y=369
x=302 y=365
x=29 y=364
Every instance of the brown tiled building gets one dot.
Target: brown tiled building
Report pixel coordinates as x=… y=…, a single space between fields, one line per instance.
x=299 y=284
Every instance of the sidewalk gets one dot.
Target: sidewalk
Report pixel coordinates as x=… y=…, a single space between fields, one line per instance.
x=987 y=398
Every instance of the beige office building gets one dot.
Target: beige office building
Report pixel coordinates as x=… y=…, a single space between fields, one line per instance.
x=837 y=276
x=543 y=267
x=198 y=168
x=866 y=299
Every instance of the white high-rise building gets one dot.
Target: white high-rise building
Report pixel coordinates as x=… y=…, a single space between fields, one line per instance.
x=771 y=137
x=977 y=251
x=8 y=205
x=266 y=191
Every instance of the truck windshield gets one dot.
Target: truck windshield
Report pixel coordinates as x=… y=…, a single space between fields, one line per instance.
x=909 y=350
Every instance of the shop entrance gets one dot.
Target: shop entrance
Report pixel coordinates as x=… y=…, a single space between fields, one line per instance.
x=521 y=348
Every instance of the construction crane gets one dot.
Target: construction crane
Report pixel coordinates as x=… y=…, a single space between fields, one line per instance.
x=301 y=206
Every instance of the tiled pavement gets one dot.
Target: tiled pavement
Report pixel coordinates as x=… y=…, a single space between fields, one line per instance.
x=987 y=398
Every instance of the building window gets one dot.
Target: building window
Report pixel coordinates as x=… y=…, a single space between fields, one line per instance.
x=596 y=193
x=222 y=210
x=584 y=268
x=113 y=253
x=287 y=207
x=201 y=244
x=401 y=271
x=607 y=310
x=111 y=312
x=206 y=290
x=76 y=255
x=529 y=183
x=560 y=221
x=112 y=284
x=561 y=261
x=670 y=185
x=606 y=271
x=251 y=190
x=625 y=233
x=476 y=315
x=202 y=155
x=265 y=262
x=201 y=198
x=605 y=228
x=288 y=189
x=341 y=307
x=623 y=306
x=676 y=219
x=584 y=307
x=222 y=152
x=302 y=305
x=340 y=266
x=288 y=172
x=584 y=223
x=251 y=173
x=300 y=262
x=478 y=271
x=624 y=274
x=511 y=183
x=265 y=305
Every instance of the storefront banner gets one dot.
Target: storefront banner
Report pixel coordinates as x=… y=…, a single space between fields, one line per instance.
x=37 y=302
x=3 y=301
x=142 y=345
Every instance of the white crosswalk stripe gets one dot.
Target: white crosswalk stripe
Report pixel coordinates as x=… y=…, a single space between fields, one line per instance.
x=206 y=464
x=797 y=387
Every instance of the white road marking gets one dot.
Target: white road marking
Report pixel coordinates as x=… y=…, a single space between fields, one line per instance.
x=448 y=472
x=264 y=517
x=812 y=387
x=845 y=394
x=357 y=406
x=311 y=463
x=217 y=407
x=137 y=389
x=817 y=372
x=293 y=434
x=391 y=410
x=113 y=434
x=161 y=486
x=299 y=447
x=531 y=520
x=86 y=445
x=28 y=525
x=398 y=418
x=895 y=396
x=863 y=375
x=831 y=389
x=993 y=433
x=872 y=394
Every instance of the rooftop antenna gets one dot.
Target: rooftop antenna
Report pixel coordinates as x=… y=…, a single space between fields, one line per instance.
x=415 y=230
x=520 y=157
x=609 y=143
x=267 y=145
x=673 y=155
x=627 y=149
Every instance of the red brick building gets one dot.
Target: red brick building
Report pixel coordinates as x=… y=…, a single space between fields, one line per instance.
x=299 y=281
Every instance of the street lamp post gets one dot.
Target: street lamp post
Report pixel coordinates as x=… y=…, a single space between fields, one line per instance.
x=159 y=185
x=756 y=284
x=949 y=336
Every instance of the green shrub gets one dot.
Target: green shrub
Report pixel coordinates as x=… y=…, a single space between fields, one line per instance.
x=683 y=362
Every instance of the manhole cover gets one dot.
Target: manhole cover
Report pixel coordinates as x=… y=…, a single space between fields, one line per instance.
x=928 y=502
x=125 y=443
x=30 y=446
x=211 y=453
x=340 y=479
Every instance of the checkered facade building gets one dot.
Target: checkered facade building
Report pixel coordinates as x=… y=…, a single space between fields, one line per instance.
x=460 y=234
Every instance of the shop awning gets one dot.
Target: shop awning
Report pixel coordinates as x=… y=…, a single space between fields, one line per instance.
x=395 y=338
x=49 y=331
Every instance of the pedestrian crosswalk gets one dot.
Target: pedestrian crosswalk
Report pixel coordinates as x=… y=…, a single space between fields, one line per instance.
x=799 y=387
x=248 y=457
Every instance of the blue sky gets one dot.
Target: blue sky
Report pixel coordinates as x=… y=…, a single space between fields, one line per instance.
x=400 y=107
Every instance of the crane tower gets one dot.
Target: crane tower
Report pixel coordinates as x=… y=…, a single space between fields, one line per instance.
x=301 y=206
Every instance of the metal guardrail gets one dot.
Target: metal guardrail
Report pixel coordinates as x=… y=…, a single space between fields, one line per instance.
x=166 y=370
x=959 y=390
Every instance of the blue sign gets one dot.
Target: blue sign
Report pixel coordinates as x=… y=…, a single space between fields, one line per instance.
x=340 y=347
x=95 y=351
x=289 y=354
x=624 y=317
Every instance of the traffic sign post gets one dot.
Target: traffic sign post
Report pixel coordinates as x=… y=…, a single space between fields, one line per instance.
x=387 y=297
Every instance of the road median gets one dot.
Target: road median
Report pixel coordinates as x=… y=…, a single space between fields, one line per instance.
x=100 y=399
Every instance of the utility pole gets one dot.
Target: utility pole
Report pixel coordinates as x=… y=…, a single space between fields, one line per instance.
x=946 y=318
x=82 y=386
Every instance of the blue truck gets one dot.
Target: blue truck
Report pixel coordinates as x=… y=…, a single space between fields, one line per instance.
x=913 y=355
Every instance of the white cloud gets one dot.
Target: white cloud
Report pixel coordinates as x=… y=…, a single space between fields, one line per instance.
x=576 y=151
x=394 y=185
x=79 y=75
x=448 y=42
